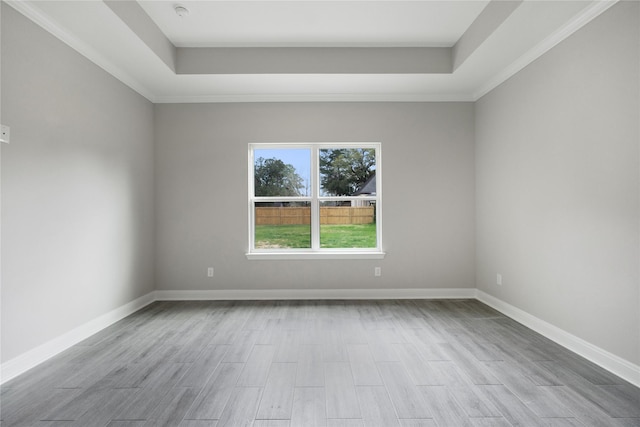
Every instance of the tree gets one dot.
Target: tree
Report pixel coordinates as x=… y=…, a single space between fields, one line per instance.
x=273 y=177
x=344 y=171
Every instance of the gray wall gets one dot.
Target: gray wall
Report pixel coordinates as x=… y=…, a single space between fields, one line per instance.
x=557 y=160
x=555 y=185
x=428 y=201
x=77 y=189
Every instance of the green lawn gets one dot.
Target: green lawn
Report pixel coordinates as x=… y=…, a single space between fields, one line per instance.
x=348 y=236
x=283 y=236
x=331 y=236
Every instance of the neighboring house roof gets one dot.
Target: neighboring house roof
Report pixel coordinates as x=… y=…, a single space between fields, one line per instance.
x=369 y=186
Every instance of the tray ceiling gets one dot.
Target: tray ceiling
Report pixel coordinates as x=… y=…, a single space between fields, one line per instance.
x=270 y=51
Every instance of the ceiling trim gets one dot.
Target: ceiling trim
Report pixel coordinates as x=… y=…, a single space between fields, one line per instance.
x=590 y=13
x=313 y=97
x=32 y=12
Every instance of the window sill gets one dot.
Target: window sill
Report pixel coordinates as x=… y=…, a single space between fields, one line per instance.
x=314 y=255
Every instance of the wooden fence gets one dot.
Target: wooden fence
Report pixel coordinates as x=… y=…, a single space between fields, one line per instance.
x=302 y=215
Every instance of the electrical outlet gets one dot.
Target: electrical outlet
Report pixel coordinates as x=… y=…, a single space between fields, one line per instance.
x=377 y=272
x=5 y=134
x=499 y=279
x=210 y=272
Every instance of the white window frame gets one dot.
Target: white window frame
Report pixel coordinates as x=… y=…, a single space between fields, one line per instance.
x=315 y=199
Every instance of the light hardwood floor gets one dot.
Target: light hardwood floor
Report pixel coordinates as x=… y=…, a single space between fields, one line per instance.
x=318 y=363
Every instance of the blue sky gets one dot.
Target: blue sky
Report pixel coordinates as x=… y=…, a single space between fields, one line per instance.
x=299 y=158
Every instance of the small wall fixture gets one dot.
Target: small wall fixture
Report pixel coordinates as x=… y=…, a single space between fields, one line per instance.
x=181 y=11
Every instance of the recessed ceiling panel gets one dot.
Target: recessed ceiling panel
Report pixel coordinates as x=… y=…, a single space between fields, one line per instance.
x=122 y=48
x=314 y=23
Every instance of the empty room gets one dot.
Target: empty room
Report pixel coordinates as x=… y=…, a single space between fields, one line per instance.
x=320 y=213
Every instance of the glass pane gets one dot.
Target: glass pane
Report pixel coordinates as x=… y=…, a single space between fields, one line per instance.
x=348 y=224
x=282 y=225
x=282 y=172
x=347 y=172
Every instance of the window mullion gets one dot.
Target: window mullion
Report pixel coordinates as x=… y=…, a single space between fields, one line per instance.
x=315 y=205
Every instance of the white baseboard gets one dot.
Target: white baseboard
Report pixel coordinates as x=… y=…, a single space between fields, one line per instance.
x=623 y=368
x=614 y=364
x=318 y=294
x=32 y=358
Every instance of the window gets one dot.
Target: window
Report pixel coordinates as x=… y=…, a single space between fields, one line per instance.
x=315 y=201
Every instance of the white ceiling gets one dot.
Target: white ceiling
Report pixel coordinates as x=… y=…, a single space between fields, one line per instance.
x=144 y=44
x=315 y=23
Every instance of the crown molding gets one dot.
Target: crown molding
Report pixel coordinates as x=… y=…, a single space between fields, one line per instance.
x=314 y=97
x=590 y=13
x=34 y=14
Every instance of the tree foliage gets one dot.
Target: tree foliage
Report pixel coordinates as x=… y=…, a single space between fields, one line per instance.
x=344 y=171
x=273 y=177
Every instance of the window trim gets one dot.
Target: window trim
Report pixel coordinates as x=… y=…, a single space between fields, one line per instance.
x=315 y=199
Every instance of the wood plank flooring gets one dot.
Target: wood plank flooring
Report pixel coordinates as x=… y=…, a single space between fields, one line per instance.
x=447 y=363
